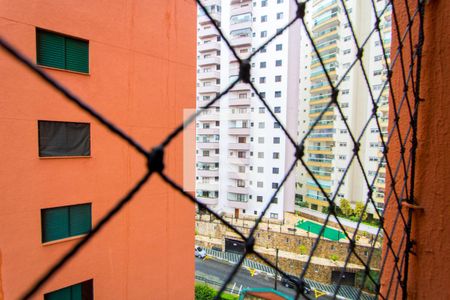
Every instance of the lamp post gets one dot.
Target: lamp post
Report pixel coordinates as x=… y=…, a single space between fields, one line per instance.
x=276 y=267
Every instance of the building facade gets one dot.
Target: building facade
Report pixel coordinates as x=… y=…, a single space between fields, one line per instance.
x=329 y=147
x=62 y=171
x=242 y=154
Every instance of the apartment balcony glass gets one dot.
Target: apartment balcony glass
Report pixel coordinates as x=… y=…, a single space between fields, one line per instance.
x=207 y=197
x=241 y=37
x=237 y=200
x=324 y=6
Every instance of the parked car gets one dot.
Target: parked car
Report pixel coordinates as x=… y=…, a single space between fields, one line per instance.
x=292 y=282
x=200 y=252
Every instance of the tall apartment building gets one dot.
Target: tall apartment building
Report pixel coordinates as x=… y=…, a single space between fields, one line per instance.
x=242 y=154
x=329 y=147
x=62 y=171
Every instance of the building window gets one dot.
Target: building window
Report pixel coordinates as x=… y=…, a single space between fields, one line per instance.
x=259 y=199
x=276 y=125
x=273 y=216
x=263 y=19
x=260 y=169
x=277 y=109
x=64 y=139
x=61 y=52
x=65 y=221
x=261 y=125
x=259 y=184
x=279 y=16
x=81 y=291
x=262 y=79
x=278 y=78
x=260 y=154
x=278 y=63
x=275 y=170
x=261 y=110
x=277 y=94
x=276 y=140
x=262 y=65
x=264 y=3
x=263 y=34
x=347 y=51
x=279 y=47
x=261 y=140
x=275 y=155
x=274 y=185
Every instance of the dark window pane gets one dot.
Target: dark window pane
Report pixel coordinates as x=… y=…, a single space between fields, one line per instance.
x=64 y=139
x=80 y=219
x=55 y=223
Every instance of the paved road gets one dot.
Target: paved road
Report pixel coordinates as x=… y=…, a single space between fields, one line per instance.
x=219 y=271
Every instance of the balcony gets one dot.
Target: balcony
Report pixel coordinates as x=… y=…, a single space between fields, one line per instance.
x=208 y=75
x=208 y=173
x=239 y=101
x=241 y=9
x=211 y=46
x=241 y=41
x=239 y=146
x=214 y=130
x=209 y=61
x=239 y=131
x=237 y=204
x=240 y=86
x=208 y=159
x=207 y=186
x=202 y=20
x=239 y=116
x=212 y=116
x=238 y=190
x=207 y=200
x=241 y=25
x=236 y=175
x=207 y=145
x=238 y=160
x=205 y=33
x=209 y=89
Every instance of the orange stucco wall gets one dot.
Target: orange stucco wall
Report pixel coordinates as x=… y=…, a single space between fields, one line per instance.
x=429 y=270
x=142 y=75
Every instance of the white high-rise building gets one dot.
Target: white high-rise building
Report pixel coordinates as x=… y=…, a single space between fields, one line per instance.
x=242 y=153
x=330 y=147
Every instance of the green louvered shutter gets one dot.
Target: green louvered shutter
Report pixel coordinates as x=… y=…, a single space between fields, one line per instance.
x=76 y=292
x=80 y=219
x=55 y=223
x=62 y=294
x=77 y=55
x=51 y=49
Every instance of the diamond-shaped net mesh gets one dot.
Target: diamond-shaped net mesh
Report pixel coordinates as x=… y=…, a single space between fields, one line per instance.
x=403 y=64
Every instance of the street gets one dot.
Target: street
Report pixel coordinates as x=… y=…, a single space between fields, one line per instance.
x=218 y=271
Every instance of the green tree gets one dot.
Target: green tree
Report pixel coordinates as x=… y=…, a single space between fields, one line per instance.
x=204 y=292
x=345 y=207
x=302 y=249
x=360 y=210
